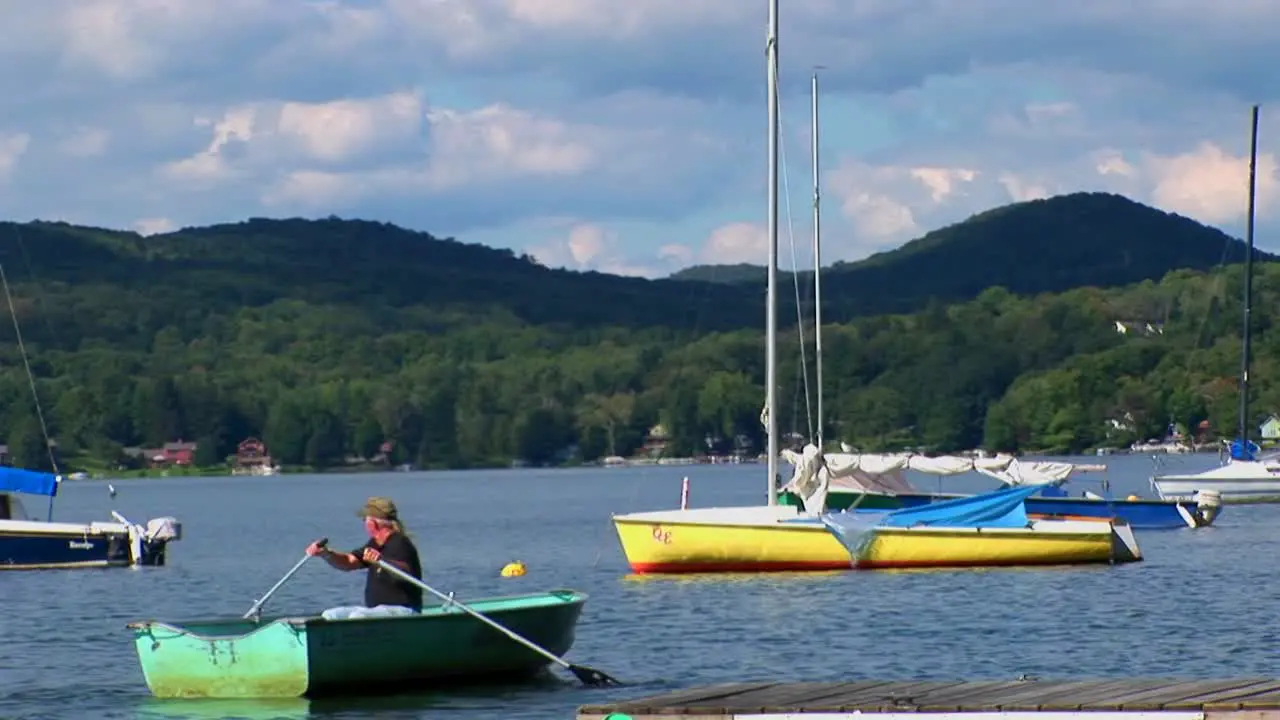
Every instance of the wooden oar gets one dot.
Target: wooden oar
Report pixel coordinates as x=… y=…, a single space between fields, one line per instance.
x=588 y=676
x=257 y=606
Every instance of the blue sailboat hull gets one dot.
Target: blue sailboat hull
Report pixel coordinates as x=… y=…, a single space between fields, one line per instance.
x=1143 y=514
x=1140 y=514
x=28 y=544
x=34 y=551
x=43 y=549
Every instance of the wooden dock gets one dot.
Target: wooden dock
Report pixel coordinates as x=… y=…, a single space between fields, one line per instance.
x=1022 y=699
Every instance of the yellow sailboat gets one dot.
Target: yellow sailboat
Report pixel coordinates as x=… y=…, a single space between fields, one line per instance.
x=992 y=529
x=766 y=538
x=988 y=530
x=737 y=539
x=775 y=537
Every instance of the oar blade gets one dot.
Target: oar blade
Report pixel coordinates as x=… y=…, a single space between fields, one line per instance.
x=593 y=677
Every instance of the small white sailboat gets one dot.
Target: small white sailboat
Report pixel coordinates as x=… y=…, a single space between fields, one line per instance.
x=1245 y=476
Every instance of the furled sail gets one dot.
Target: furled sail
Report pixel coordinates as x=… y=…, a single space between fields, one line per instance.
x=815 y=472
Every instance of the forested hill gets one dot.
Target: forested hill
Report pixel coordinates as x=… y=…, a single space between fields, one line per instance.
x=1050 y=245
x=368 y=267
x=328 y=338
x=374 y=268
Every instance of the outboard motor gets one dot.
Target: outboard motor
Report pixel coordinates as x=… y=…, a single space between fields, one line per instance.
x=1208 y=505
x=155 y=539
x=164 y=528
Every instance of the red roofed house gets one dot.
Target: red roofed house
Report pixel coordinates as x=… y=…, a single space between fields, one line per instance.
x=177 y=453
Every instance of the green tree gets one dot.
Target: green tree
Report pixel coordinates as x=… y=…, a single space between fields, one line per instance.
x=207 y=452
x=27 y=446
x=368 y=437
x=326 y=441
x=287 y=432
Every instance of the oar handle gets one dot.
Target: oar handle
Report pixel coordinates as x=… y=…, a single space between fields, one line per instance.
x=473 y=613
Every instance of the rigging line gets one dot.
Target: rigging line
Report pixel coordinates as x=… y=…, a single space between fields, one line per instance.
x=795 y=275
x=31 y=380
x=31 y=271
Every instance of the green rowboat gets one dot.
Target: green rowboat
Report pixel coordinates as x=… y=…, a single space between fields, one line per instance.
x=843 y=499
x=311 y=657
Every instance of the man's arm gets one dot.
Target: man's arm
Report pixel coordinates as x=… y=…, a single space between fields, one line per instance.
x=339 y=560
x=342 y=560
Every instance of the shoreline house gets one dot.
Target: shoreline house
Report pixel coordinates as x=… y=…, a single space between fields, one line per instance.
x=6 y=454
x=252 y=458
x=1269 y=430
x=180 y=453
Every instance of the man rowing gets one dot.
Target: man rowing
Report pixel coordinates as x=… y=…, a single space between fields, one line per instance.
x=385 y=594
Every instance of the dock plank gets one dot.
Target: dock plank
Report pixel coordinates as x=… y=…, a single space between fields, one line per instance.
x=890 y=696
x=1245 y=695
x=783 y=699
x=703 y=695
x=1246 y=688
x=1039 y=695
x=957 y=698
x=1177 y=695
x=807 y=695
x=1264 y=695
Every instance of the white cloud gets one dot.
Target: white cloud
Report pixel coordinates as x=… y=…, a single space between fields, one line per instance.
x=99 y=35
x=1021 y=189
x=676 y=254
x=312 y=190
x=737 y=242
x=882 y=203
x=12 y=148
x=589 y=246
x=464 y=116
x=1211 y=185
x=209 y=164
x=154 y=226
x=499 y=142
x=342 y=129
x=1111 y=162
x=887 y=205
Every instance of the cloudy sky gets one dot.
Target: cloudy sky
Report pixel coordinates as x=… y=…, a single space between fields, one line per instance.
x=628 y=135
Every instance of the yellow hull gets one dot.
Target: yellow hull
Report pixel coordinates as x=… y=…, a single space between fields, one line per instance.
x=760 y=539
x=937 y=547
x=676 y=546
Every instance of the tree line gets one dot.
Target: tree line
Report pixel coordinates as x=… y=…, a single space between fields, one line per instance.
x=469 y=387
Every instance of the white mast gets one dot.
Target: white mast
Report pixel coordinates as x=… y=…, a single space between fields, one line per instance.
x=771 y=315
x=817 y=259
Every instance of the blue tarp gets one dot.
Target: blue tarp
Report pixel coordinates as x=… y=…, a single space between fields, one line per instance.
x=999 y=508
x=1244 y=450
x=30 y=482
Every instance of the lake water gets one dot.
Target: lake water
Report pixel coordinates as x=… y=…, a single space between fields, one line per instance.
x=1201 y=605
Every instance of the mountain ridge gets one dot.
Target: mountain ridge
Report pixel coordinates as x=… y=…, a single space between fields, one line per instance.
x=327 y=338
x=1051 y=245
x=1091 y=206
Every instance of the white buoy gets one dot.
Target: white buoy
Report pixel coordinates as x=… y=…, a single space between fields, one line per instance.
x=684 y=493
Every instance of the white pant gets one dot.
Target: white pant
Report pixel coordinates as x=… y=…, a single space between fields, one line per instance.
x=353 y=612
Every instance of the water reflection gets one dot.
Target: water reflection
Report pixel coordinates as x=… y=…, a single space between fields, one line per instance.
x=718 y=578
x=474 y=697
x=732 y=577
x=202 y=709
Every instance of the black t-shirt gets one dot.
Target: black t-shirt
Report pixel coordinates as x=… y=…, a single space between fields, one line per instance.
x=384 y=588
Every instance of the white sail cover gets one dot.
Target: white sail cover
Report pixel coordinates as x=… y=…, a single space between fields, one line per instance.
x=816 y=472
